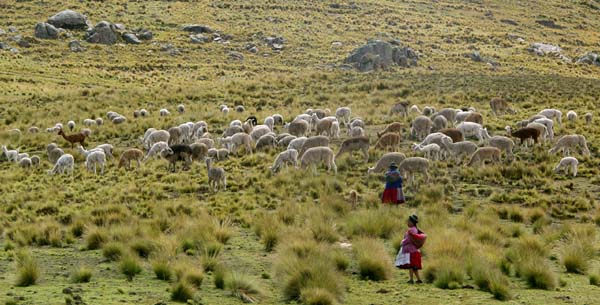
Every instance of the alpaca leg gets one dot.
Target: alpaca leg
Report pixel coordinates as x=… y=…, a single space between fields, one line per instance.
x=574 y=170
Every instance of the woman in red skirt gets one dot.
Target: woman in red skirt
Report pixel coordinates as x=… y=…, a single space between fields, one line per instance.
x=409 y=256
x=393 y=186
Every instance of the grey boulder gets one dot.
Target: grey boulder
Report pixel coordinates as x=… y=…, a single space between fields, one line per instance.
x=75 y=46
x=590 y=58
x=131 y=38
x=381 y=55
x=199 y=38
x=197 y=28
x=104 y=33
x=144 y=34
x=69 y=19
x=45 y=31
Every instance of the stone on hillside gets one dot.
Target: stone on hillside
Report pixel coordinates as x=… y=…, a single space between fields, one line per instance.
x=144 y=34
x=475 y=56
x=543 y=49
x=4 y=46
x=236 y=56
x=2 y=32
x=276 y=43
x=104 y=32
x=199 y=38
x=251 y=48
x=131 y=38
x=45 y=31
x=69 y=19
x=377 y=54
x=550 y=24
x=590 y=58
x=75 y=46
x=197 y=28
x=12 y=29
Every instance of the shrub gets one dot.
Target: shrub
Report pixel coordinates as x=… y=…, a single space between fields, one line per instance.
x=130 y=267
x=449 y=276
x=143 y=248
x=317 y=296
x=539 y=276
x=81 y=275
x=373 y=261
x=372 y=223
x=270 y=238
x=492 y=280
x=341 y=261
x=182 y=292
x=576 y=255
x=595 y=279
x=323 y=230
x=112 y=251
x=316 y=271
x=28 y=271
x=194 y=278
x=94 y=239
x=244 y=288
x=162 y=269
x=219 y=278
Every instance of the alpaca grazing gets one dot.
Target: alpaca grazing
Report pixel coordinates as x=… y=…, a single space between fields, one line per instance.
x=130 y=155
x=73 y=138
x=566 y=163
x=216 y=176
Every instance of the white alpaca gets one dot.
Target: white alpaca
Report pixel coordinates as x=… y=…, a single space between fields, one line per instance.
x=155 y=150
x=95 y=158
x=65 y=162
x=473 y=129
x=566 y=163
x=289 y=156
x=431 y=151
x=11 y=155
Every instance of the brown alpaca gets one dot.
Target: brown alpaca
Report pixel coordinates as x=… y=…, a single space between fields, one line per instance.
x=389 y=140
x=475 y=117
x=392 y=127
x=128 y=156
x=73 y=138
x=524 y=133
x=454 y=134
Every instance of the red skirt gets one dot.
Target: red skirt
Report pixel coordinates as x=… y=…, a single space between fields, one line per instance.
x=392 y=195
x=414 y=262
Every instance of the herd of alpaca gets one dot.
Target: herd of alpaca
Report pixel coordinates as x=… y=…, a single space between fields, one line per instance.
x=307 y=138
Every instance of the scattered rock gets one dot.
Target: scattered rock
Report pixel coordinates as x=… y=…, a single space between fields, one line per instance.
x=170 y=49
x=144 y=34
x=197 y=28
x=24 y=43
x=235 y=55
x=4 y=46
x=199 y=38
x=590 y=58
x=120 y=27
x=67 y=290
x=542 y=49
x=550 y=24
x=45 y=31
x=104 y=32
x=509 y=21
x=251 y=48
x=276 y=43
x=382 y=290
x=69 y=19
x=475 y=56
x=12 y=29
x=336 y=44
x=14 y=50
x=131 y=38
x=75 y=46
x=378 y=54
x=2 y=32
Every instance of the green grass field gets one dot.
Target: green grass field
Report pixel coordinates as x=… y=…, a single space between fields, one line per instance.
x=513 y=233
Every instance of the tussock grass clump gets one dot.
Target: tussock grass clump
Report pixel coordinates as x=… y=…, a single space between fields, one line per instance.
x=130 y=267
x=446 y=274
x=317 y=296
x=95 y=238
x=143 y=247
x=162 y=269
x=528 y=257
x=267 y=227
x=373 y=261
x=244 y=288
x=219 y=277
x=490 y=279
x=182 y=292
x=538 y=275
x=81 y=275
x=304 y=264
x=28 y=270
x=194 y=278
x=379 y=222
x=577 y=253
x=324 y=231
x=113 y=251
x=595 y=279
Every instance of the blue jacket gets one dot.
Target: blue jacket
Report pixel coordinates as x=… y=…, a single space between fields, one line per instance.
x=393 y=179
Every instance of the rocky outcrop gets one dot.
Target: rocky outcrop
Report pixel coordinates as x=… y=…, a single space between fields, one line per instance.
x=590 y=58
x=381 y=55
x=104 y=33
x=197 y=28
x=45 y=31
x=69 y=19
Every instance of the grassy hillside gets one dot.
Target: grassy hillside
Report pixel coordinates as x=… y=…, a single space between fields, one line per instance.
x=508 y=233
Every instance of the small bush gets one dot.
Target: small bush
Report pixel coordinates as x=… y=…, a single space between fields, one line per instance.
x=81 y=275
x=373 y=261
x=143 y=248
x=538 y=276
x=112 y=251
x=219 y=278
x=209 y=263
x=130 y=267
x=28 y=271
x=317 y=296
x=162 y=269
x=595 y=280
x=449 y=276
x=244 y=288
x=270 y=238
x=576 y=256
x=372 y=223
x=341 y=261
x=182 y=292
x=194 y=278
x=94 y=239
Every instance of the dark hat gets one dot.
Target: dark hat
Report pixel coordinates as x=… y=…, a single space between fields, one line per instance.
x=393 y=165
x=413 y=218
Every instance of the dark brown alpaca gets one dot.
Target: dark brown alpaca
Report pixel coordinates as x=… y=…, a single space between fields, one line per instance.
x=524 y=133
x=73 y=138
x=455 y=134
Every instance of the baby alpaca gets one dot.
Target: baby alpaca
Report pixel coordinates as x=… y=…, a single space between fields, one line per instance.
x=216 y=176
x=289 y=156
x=129 y=155
x=94 y=158
x=65 y=162
x=566 y=163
